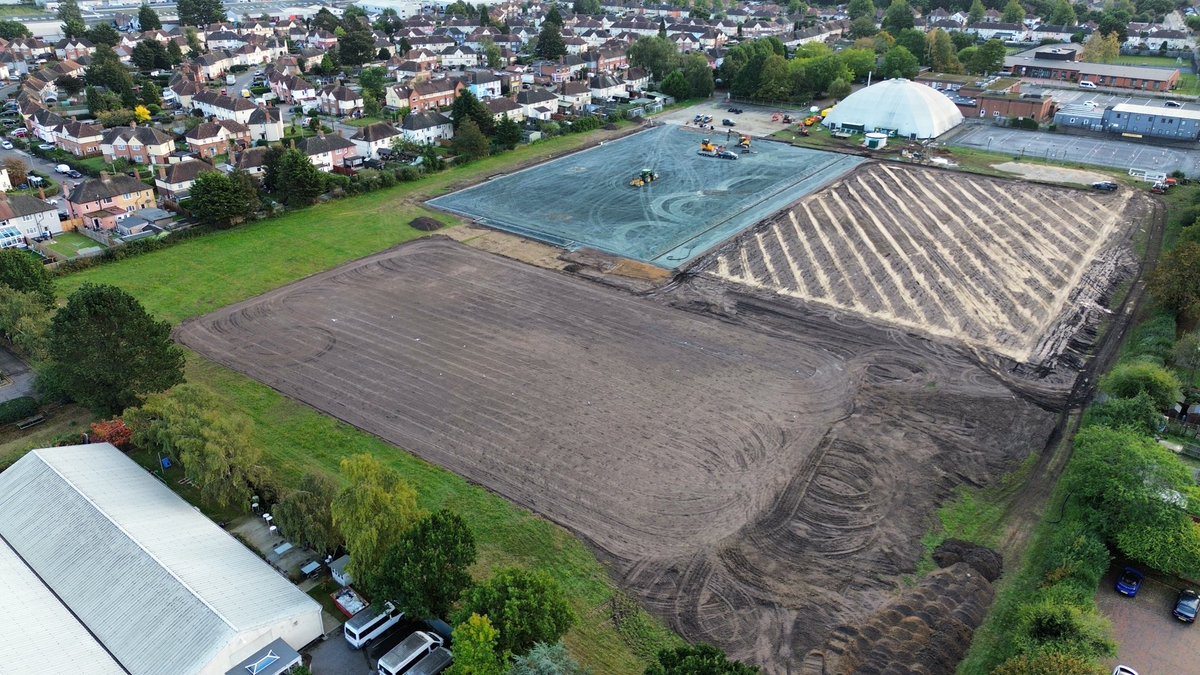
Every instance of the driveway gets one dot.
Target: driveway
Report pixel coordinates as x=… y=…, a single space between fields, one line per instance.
x=335 y=657
x=1095 y=150
x=1150 y=640
x=19 y=377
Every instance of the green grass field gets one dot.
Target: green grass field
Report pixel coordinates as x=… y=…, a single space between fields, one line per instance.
x=70 y=244
x=203 y=274
x=1149 y=60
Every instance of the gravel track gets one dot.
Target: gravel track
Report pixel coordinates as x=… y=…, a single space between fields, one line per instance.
x=757 y=478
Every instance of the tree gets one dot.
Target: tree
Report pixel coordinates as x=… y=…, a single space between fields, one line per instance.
x=1101 y=48
x=104 y=34
x=839 y=89
x=25 y=321
x=358 y=46
x=987 y=58
x=73 y=25
x=174 y=53
x=372 y=511
x=69 y=85
x=115 y=118
x=148 y=18
x=193 y=425
x=467 y=107
x=860 y=8
x=201 y=12
x=915 y=42
x=697 y=660
x=662 y=28
x=142 y=114
x=863 y=26
x=1175 y=283
x=11 y=30
x=150 y=54
x=858 y=61
x=699 y=75
x=657 y=56
x=22 y=272
x=425 y=570
x=469 y=142
x=111 y=431
x=271 y=166
x=475 y=642
x=508 y=134
x=305 y=514
x=221 y=199
x=1013 y=12
x=1128 y=379
x=592 y=7
x=942 y=56
x=546 y=659
x=1064 y=14
x=554 y=16
x=526 y=606
x=676 y=86
x=1047 y=662
x=106 y=70
x=774 y=80
x=492 y=54
x=151 y=94
x=1137 y=414
x=304 y=181
x=899 y=62
x=977 y=12
x=193 y=40
x=898 y=17
x=107 y=353
x=550 y=43
x=18 y=174
x=374 y=80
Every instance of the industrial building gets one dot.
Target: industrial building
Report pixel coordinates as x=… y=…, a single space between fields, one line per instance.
x=900 y=107
x=1060 y=62
x=105 y=570
x=1136 y=121
x=992 y=97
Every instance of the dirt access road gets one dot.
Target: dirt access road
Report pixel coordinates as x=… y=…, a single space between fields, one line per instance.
x=756 y=480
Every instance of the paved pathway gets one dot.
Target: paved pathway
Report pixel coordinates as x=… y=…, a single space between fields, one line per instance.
x=19 y=377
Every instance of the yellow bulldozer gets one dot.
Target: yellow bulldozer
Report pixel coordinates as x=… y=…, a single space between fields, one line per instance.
x=644 y=178
x=744 y=142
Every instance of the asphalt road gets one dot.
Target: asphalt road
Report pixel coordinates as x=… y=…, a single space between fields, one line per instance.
x=1096 y=150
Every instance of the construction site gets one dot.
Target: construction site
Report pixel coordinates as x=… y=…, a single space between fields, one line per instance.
x=755 y=445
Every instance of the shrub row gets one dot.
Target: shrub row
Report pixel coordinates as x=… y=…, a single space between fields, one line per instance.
x=17 y=409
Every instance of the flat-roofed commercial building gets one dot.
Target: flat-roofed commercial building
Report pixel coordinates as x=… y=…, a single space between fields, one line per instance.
x=1059 y=62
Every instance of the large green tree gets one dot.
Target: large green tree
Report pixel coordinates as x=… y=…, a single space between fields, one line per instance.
x=657 y=56
x=550 y=43
x=221 y=199
x=1013 y=12
x=1063 y=14
x=526 y=606
x=943 y=58
x=858 y=61
x=107 y=352
x=899 y=62
x=148 y=18
x=508 y=134
x=372 y=511
x=425 y=570
x=106 y=70
x=358 y=45
x=1131 y=378
x=305 y=515
x=469 y=143
x=304 y=181
x=697 y=660
x=25 y=321
x=987 y=58
x=898 y=17
x=201 y=13
x=11 y=30
x=104 y=34
x=475 y=648
x=22 y=272
x=73 y=25
x=467 y=107
x=976 y=12
x=676 y=86
x=859 y=8
x=1137 y=414
x=193 y=425
x=1175 y=283
x=699 y=75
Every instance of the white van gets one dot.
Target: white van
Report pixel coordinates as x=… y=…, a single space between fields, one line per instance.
x=406 y=654
x=1085 y=84
x=370 y=623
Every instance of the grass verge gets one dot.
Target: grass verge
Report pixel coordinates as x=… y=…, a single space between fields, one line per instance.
x=296 y=439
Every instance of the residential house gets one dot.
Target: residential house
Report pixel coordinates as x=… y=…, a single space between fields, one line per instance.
x=327 y=151
x=174 y=181
x=293 y=90
x=30 y=216
x=212 y=104
x=369 y=139
x=483 y=83
x=80 y=138
x=74 y=49
x=265 y=124
x=573 y=95
x=605 y=87
x=505 y=107
x=251 y=160
x=340 y=100
x=429 y=95
x=537 y=104
x=45 y=125
x=209 y=139
x=427 y=127
x=636 y=79
x=140 y=145
x=458 y=57
x=100 y=202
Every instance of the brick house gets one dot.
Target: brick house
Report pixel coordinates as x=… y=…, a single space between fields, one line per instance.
x=98 y=203
x=372 y=137
x=210 y=139
x=430 y=95
x=80 y=139
x=140 y=145
x=326 y=152
x=340 y=100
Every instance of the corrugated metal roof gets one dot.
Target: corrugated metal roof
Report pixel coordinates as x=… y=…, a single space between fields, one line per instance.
x=41 y=635
x=162 y=586
x=1157 y=111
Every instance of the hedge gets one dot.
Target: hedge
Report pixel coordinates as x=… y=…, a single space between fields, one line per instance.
x=17 y=409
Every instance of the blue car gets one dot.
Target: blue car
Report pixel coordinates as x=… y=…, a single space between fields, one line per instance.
x=1186 y=606
x=1130 y=582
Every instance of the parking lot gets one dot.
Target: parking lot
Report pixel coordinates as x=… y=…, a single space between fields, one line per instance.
x=1103 y=100
x=1150 y=640
x=753 y=120
x=1097 y=150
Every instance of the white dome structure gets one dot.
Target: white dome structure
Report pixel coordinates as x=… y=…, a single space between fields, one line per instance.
x=911 y=110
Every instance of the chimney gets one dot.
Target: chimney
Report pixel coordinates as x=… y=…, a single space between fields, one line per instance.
x=132 y=124
x=162 y=172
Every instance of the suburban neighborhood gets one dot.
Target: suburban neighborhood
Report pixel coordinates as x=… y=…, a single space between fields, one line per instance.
x=603 y=336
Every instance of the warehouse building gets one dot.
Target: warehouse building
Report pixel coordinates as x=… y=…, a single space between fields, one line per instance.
x=1060 y=62
x=106 y=570
x=1134 y=121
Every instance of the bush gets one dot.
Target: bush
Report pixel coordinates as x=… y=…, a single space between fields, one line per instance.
x=17 y=409
x=1023 y=123
x=1129 y=379
x=1048 y=662
x=1153 y=340
x=1064 y=629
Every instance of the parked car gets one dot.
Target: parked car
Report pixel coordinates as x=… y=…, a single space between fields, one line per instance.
x=46 y=146
x=728 y=122
x=7 y=145
x=1130 y=582
x=74 y=174
x=20 y=133
x=1124 y=670
x=1173 y=104
x=1186 y=605
x=1106 y=185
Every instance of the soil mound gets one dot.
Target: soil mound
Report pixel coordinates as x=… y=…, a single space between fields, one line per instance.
x=985 y=561
x=926 y=629
x=425 y=224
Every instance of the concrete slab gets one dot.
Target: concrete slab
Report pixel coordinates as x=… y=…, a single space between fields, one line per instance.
x=1098 y=151
x=585 y=200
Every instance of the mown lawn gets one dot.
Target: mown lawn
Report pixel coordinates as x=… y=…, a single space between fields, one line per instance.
x=1148 y=60
x=210 y=272
x=296 y=439
x=70 y=244
x=204 y=274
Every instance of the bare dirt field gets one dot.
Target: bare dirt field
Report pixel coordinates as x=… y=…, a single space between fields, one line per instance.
x=757 y=478
x=1051 y=174
x=1014 y=268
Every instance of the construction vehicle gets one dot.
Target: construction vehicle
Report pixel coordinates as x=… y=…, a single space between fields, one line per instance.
x=744 y=142
x=644 y=178
x=811 y=120
x=707 y=149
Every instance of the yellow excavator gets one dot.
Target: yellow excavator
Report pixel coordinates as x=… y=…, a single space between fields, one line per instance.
x=644 y=178
x=707 y=149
